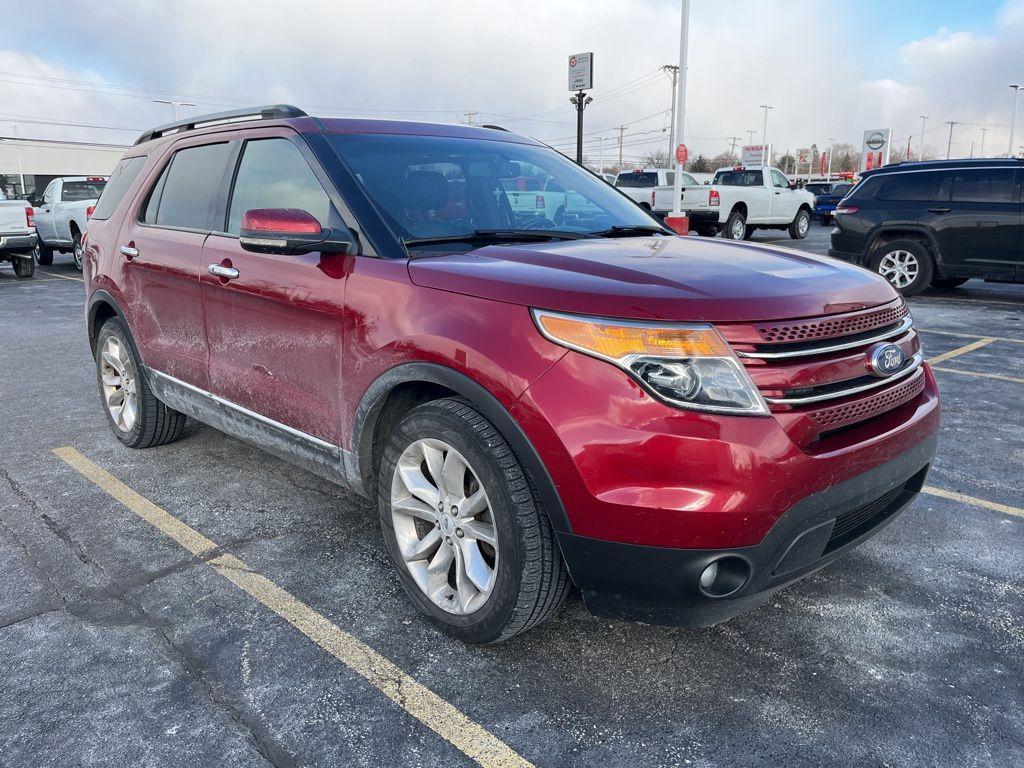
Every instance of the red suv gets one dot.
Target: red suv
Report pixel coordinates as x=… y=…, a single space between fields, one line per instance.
x=539 y=392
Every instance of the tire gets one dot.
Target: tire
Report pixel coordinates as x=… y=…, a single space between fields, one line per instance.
x=735 y=227
x=152 y=422
x=43 y=254
x=916 y=271
x=800 y=225
x=526 y=579
x=76 y=239
x=706 y=231
x=749 y=233
x=949 y=282
x=23 y=267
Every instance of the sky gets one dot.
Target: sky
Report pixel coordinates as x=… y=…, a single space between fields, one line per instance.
x=830 y=70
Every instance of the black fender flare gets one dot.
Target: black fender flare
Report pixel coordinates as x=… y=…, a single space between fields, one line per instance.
x=913 y=228
x=98 y=297
x=369 y=409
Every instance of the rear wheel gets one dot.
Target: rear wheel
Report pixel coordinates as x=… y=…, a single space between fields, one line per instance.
x=76 y=238
x=906 y=264
x=472 y=545
x=23 y=267
x=135 y=415
x=801 y=225
x=43 y=254
x=735 y=226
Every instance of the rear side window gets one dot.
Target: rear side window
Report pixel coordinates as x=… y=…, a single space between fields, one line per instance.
x=982 y=185
x=910 y=187
x=120 y=180
x=184 y=195
x=638 y=179
x=739 y=178
x=73 y=191
x=274 y=174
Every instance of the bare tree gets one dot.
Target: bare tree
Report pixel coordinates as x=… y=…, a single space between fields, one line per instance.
x=657 y=159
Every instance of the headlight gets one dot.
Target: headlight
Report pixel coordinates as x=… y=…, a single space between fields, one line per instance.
x=688 y=366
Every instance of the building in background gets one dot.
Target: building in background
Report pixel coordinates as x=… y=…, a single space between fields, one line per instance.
x=28 y=165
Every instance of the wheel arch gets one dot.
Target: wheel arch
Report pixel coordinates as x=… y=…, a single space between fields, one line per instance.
x=739 y=206
x=405 y=386
x=908 y=232
x=102 y=306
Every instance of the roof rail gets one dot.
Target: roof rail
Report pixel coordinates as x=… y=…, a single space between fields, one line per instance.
x=495 y=128
x=269 y=112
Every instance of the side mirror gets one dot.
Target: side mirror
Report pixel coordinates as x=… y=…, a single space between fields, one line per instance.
x=290 y=231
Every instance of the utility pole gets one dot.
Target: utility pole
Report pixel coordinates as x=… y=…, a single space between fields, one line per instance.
x=680 y=122
x=174 y=106
x=1013 y=117
x=622 y=130
x=924 y=119
x=766 y=160
x=469 y=117
x=673 y=72
x=580 y=101
x=949 y=144
x=733 y=140
x=983 y=132
x=601 y=153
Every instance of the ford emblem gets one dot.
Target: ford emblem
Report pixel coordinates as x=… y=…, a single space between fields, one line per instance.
x=885 y=359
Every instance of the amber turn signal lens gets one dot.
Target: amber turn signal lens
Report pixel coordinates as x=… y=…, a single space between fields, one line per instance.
x=616 y=341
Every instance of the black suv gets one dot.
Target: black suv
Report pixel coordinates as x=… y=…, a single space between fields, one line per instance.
x=935 y=223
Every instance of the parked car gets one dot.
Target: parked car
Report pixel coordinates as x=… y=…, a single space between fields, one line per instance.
x=741 y=200
x=63 y=214
x=825 y=202
x=677 y=426
x=643 y=184
x=935 y=223
x=17 y=235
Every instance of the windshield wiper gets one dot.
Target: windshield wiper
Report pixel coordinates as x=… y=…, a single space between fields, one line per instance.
x=634 y=229
x=499 y=236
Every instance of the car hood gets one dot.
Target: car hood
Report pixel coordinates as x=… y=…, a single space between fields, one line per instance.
x=658 y=278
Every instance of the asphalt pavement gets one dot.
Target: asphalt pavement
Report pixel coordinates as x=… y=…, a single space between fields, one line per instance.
x=125 y=640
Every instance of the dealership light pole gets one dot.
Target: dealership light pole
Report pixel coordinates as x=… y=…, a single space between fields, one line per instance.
x=750 y=135
x=765 y=157
x=680 y=116
x=924 y=119
x=949 y=144
x=1013 y=117
x=983 y=132
x=174 y=106
x=673 y=72
x=831 y=151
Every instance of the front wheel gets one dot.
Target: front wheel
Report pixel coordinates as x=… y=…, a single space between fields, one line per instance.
x=735 y=227
x=906 y=264
x=801 y=225
x=472 y=545
x=76 y=237
x=23 y=267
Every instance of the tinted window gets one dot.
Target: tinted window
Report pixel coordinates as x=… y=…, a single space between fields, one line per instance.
x=841 y=189
x=73 y=191
x=122 y=178
x=907 y=186
x=687 y=179
x=977 y=186
x=274 y=174
x=637 y=179
x=818 y=189
x=739 y=178
x=185 y=193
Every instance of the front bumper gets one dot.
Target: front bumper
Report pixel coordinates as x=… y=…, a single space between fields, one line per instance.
x=17 y=243
x=661 y=585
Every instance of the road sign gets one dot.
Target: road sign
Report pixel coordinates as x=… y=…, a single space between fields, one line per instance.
x=682 y=154
x=581 y=72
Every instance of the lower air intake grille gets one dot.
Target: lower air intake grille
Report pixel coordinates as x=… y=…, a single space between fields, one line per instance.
x=857 y=521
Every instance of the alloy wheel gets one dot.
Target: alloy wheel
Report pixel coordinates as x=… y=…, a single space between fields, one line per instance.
x=803 y=224
x=899 y=267
x=120 y=388
x=444 y=526
x=78 y=255
x=739 y=228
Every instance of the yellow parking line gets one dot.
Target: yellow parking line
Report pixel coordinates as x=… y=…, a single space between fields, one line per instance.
x=998 y=376
x=63 y=277
x=448 y=722
x=961 y=350
x=27 y=281
x=969 y=335
x=965 y=499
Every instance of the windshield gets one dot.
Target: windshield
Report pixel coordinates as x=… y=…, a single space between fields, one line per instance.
x=82 y=190
x=818 y=189
x=739 y=179
x=430 y=187
x=636 y=179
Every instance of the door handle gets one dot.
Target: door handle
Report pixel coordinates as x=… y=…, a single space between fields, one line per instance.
x=778 y=193
x=228 y=273
x=128 y=252
x=938 y=210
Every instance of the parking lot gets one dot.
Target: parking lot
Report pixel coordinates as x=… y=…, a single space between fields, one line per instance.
x=207 y=603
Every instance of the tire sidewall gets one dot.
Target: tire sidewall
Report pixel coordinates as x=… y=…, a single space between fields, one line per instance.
x=730 y=225
x=486 y=623
x=115 y=327
x=924 y=260
x=805 y=215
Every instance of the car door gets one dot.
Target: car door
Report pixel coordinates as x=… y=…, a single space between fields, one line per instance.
x=44 y=214
x=976 y=216
x=784 y=201
x=756 y=195
x=275 y=329
x=161 y=252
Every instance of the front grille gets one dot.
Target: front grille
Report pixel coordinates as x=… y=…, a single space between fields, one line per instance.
x=839 y=416
x=828 y=328
x=851 y=525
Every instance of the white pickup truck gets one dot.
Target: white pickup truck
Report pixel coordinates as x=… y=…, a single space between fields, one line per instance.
x=644 y=184
x=740 y=200
x=17 y=235
x=62 y=214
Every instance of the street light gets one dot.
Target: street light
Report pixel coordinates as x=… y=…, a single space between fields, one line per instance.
x=764 y=130
x=174 y=106
x=1013 y=116
x=924 y=119
x=831 y=151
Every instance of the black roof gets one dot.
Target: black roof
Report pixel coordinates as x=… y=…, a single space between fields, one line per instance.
x=938 y=165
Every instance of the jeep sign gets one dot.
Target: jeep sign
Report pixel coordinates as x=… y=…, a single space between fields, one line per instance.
x=581 y=72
